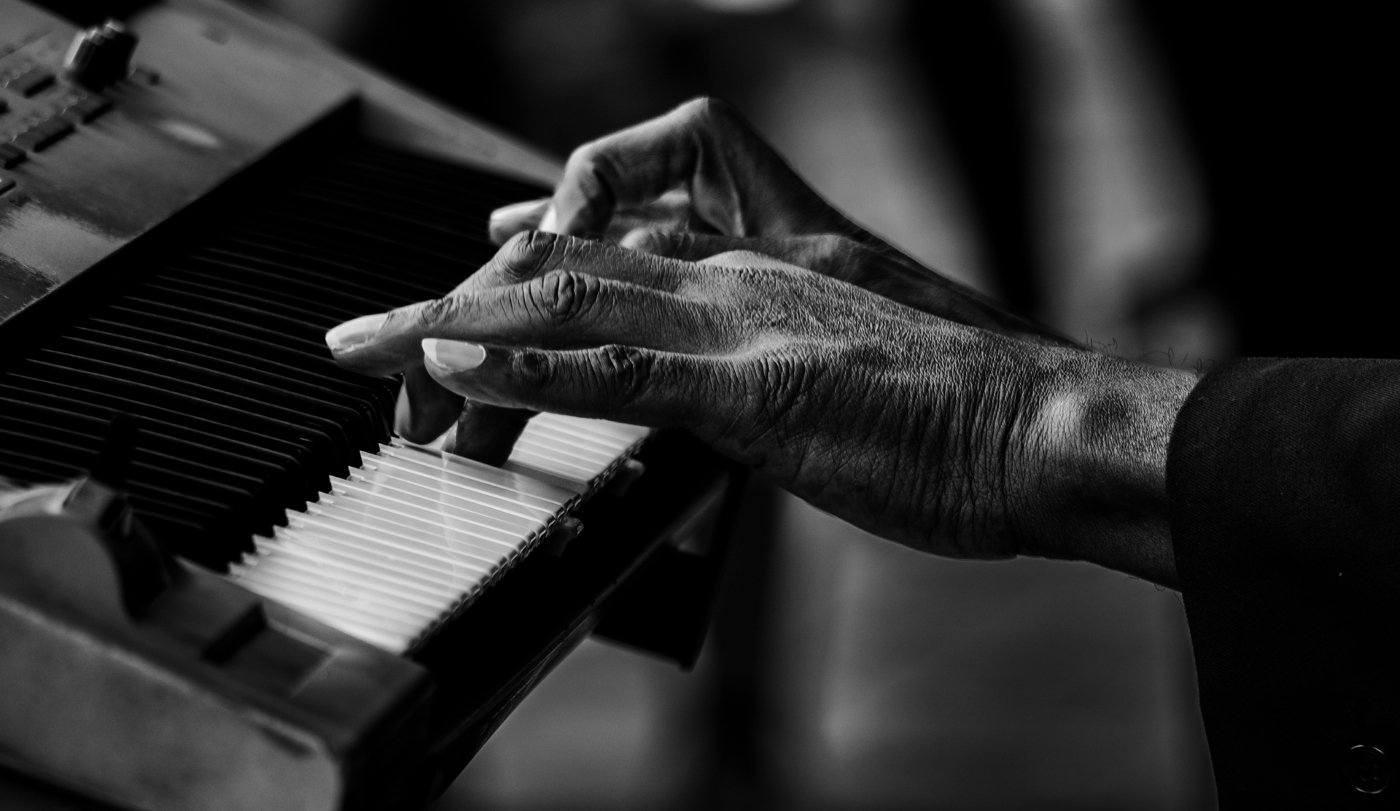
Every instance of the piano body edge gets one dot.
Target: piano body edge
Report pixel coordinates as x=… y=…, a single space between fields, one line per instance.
x=307 y=709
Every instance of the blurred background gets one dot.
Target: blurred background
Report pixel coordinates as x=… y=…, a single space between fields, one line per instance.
x=1178 y=182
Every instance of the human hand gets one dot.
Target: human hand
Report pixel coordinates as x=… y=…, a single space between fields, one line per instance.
x=700 y=181
x=694 y=183
x=945 y=437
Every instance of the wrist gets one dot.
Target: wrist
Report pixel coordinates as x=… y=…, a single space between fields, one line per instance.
x=1096 y=467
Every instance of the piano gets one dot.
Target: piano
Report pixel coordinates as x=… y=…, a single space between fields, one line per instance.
x=224 y=582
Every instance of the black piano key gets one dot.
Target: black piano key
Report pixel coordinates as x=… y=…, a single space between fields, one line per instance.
x=219 y=346
x=176 y=395
x=339 y=424
x=388 y=252
x=322 y=305
x=291 y=386
x=247 y=462
x=299 y=253
x=367 y=395
x=183 y=531
x=293 y=457
x=381 y=392
x=159 y=459
x=72 y=451
x=399 y=212
x=295 y=334
x=149 y=465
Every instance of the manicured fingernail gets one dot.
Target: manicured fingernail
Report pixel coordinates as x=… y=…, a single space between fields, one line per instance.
x=454 y=356
x=528 y=210
x=356 y=332
x=550 y=221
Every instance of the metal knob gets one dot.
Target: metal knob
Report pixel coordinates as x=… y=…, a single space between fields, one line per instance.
x=100 y=56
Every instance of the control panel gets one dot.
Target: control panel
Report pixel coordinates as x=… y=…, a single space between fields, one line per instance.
x=39 y=105
x=107 y=132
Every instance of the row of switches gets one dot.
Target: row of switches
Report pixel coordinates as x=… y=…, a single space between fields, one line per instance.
x=46 y=133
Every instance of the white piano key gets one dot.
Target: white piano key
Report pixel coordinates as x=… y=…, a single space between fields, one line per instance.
x=452 y=497
x=599 y=433
x=585 y=457
x=389 y=469
x=353 y=598
x=458 y=468
x=334 y=612
x=555 y=436
x=414 y=534
x=604 y=429
x=578 y=477
x=385 y=616
x=389 y=538
x=512 y=526
x=352 y=571
x=410 y=566
x=411 y=516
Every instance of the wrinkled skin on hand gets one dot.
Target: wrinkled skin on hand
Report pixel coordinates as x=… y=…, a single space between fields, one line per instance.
x=694 y=183
x=914 y=427
x=700 y=181
x=729 y=299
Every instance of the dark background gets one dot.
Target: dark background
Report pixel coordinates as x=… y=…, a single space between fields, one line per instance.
x=1176 y=181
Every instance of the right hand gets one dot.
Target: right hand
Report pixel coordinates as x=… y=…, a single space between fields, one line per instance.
x=950 y=439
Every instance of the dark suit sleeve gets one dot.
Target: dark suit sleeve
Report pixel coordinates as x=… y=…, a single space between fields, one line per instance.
x=1284 y=479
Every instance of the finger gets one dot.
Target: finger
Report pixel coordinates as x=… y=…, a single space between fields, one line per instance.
x=626 y=383
x=561 y=309
x=534 y=253
x=737 y=183
x=485 y=432
x=385 y=343
x=507 y=221
x=424 y=410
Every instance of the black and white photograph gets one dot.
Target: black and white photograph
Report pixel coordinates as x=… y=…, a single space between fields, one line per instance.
x=698 y=405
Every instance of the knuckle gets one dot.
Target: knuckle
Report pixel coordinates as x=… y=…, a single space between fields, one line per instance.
x=593 y=170
x=625 y=372
x=434 y=314
x=562 y=296
x=533 y=370
x=708 y=109
x=745 y=260
x=530 y=252
x=785 y=379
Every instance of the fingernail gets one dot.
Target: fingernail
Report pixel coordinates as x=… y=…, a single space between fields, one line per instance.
x=356 y=332
x=550 y=221
x=454 y=356
x=530 y=209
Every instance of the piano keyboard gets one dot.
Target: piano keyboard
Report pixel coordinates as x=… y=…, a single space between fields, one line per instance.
x=255 y=454
x=413 y=535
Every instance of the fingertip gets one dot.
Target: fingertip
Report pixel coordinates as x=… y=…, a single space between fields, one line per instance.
x=355 y=333
x=648 y=240
x=487 y=433
x=424 y=409
x=507 y=221
x=549 y=222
